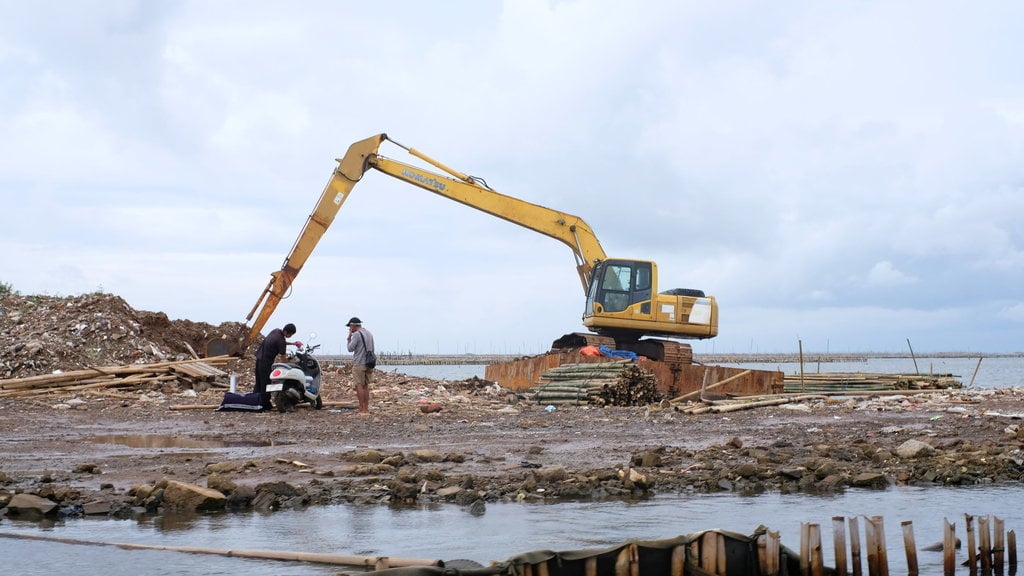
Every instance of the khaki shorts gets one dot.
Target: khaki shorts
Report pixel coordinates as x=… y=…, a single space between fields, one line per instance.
x=361 y=375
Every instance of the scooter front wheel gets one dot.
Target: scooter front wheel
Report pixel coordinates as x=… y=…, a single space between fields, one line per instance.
x=318 y=403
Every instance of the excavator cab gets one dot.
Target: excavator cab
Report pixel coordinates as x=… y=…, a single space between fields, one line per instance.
x=622 y=305
x=618 y=284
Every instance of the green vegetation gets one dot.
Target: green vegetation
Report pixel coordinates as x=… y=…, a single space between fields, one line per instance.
x=7 y=289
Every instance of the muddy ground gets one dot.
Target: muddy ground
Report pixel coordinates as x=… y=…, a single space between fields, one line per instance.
x=114 y=453
x=481 y=447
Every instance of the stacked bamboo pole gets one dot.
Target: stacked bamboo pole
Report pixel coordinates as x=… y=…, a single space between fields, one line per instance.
x=601 y=384
x=866 y=382
x=127 y=375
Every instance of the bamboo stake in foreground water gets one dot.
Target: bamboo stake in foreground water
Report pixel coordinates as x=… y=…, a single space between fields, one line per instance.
x=375 y=562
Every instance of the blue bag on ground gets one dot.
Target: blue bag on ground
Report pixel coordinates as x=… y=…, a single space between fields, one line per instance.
x=240 y=402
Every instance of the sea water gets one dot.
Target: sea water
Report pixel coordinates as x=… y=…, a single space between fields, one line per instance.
x=997 y=372
x=448 y=531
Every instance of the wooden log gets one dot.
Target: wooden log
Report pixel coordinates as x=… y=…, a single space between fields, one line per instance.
x=1011 y=546
x=571 y=402
x=985 y=544
x=972 y=558
x=762 y=554
x=709 y=552
x=771 y=551
x=871 y=544
x=998 y=544
x=805 y=548
x=883 y=554
x=971 y=384
x=543 y=396
x=948 y=548
x=677 y=563
x=694 y=553
x=568 y=387
x=734 y=406
x=817 y=558
x=315 y=557
x=720 y=559
x=856 y=568
x=694 y=409
x=910 y=547
x=73 y=376
x=839 y=544
x=622 y=562
x=83 y=386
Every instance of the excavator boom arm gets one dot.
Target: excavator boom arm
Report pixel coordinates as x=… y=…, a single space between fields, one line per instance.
x=571 y=230
x=361 y=156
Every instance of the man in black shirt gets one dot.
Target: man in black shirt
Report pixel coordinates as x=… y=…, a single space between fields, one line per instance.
x=274 y=345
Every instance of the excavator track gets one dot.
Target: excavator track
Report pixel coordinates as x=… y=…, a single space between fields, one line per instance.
x=660 y=350
x=651 y=348
x=580 y=339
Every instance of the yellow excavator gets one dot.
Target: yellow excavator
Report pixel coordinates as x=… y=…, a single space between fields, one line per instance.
x=623 y=306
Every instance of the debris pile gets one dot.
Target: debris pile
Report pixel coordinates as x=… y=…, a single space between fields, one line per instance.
x=43 y=334
x=603 y=384
x=190 y=372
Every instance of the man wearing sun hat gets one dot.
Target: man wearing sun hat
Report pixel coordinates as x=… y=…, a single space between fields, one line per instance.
x=360 y=341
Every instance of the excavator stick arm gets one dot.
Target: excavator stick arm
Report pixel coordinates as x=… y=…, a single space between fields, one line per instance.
x=349 y=171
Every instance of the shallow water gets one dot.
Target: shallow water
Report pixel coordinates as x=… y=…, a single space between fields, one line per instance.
x=1004 y=372
x=447 y=531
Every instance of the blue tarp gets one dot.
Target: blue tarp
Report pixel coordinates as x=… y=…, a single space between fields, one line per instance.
x=606 y=351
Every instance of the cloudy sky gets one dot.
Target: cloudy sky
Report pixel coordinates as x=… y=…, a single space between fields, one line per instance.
x=847 y=175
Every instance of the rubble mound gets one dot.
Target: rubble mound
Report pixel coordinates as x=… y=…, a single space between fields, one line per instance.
x=43 y=334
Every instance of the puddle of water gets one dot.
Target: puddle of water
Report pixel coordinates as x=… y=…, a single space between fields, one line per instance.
x=166 y=441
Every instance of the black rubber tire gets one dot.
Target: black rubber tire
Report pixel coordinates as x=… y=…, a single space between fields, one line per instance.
x=285 y=400
x=462 y=563
x=278 y=399
x=319 y=403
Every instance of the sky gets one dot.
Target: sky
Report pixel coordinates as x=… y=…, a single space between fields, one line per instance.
x=842 y=176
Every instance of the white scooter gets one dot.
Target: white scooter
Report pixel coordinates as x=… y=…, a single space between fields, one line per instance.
x=296 y=382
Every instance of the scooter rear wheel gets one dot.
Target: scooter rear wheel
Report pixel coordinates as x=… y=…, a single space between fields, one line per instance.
x=286 y=400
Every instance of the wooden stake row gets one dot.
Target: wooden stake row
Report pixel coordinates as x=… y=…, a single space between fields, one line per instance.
x=987 y=554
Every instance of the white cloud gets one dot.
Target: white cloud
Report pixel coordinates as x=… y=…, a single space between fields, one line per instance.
x=1014 y=312
x=782 y=158
x=884 y=274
